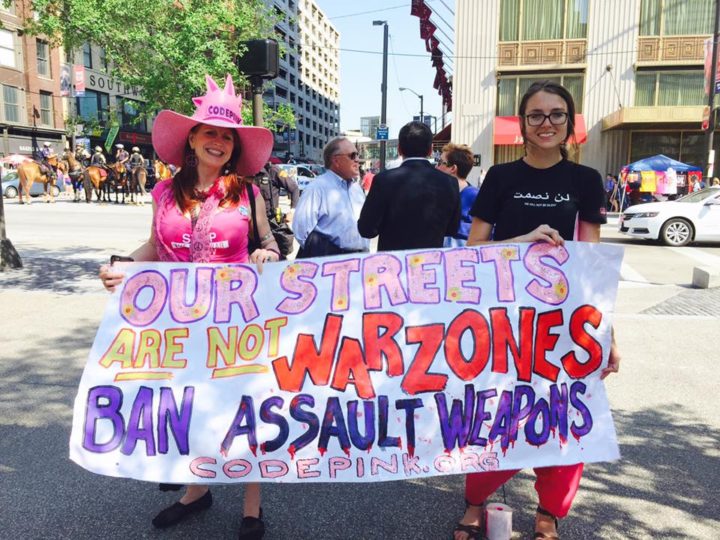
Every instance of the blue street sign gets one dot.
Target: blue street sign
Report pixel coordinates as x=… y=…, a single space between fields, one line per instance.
x=382 y=132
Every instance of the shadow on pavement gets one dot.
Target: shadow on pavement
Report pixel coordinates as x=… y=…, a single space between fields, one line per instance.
x=62 y=271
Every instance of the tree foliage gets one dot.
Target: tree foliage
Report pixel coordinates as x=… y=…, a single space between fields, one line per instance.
x=164 y=47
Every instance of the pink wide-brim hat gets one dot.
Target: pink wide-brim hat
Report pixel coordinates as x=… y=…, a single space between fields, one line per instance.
x=220 y=108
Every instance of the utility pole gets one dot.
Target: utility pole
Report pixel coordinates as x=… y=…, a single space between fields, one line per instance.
x=711 y=96
x=383 y=89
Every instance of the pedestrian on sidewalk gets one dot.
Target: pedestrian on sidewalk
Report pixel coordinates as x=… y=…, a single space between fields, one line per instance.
x=326 y=215
x=507 y=210
x=414 y=205
x=203 y=214
x=457 y=161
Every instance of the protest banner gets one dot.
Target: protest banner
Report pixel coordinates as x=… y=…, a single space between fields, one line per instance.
x=362 y=367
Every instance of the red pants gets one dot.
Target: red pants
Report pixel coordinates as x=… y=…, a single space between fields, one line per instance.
x=556 y=486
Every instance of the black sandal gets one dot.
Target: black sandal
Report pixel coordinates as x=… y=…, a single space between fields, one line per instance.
x=550 y=536
x=252 y=528
x=474 y=532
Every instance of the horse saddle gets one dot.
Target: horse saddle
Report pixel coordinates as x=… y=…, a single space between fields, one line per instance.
x=103 y=173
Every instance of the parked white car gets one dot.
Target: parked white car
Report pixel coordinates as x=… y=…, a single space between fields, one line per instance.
x=301 y=173
x=692 y=218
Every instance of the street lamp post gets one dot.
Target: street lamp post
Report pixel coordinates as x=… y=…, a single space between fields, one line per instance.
x=383 y=88
x=422 y=116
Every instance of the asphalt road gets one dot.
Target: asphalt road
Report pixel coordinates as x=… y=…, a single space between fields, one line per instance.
x=664 y=403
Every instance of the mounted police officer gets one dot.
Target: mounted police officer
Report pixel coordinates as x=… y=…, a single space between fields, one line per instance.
x=46 y=153
x=98 y=158
x=82 y=155
x=136 y=160
x=121 y=155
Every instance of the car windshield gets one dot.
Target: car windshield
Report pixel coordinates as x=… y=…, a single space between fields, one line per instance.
x=698 y=196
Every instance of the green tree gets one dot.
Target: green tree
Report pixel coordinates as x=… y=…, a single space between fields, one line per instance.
x=164 y=47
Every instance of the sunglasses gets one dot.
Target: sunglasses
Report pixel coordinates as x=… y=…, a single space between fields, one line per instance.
x=352 y=155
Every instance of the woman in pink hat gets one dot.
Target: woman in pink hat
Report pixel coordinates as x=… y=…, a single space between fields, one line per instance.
x=203 y=214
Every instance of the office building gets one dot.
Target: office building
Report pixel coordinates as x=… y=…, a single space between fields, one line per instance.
x=31 y=110
x=635 y=68
x=308 y=79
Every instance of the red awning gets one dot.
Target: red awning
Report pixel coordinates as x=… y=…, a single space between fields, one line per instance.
x=507 y=130
x=274 y=160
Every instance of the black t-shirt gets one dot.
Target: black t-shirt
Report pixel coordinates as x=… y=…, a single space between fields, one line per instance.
x=516 y=198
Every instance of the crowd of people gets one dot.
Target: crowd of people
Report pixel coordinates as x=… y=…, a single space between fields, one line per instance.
x=205 y=214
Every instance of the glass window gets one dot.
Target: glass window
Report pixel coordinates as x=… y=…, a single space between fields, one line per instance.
x=102 y=57
x=43 y=57
x=11 y=102
x=676 y=17
x=511 y=90
x=528 y=20
x=7 y=48
x=129 y=114
x=669 y=89
x=650 y=143
x=46 y=109
x=87 y=55
x=94 y=106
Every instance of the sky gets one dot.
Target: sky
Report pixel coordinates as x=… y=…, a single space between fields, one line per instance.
x=361 y=73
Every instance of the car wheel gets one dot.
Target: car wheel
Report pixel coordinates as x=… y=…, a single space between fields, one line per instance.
x=676 y=232
x=11 y=192
x=55 y=191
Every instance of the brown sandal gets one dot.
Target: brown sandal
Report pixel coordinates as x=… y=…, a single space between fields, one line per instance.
x=549 y=536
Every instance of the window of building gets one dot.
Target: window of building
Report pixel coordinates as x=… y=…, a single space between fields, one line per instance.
x=130 y=112
x=529 y=20
x=669 y=89
x=11 y=103
x=281 y=92
x=46 y=109
x=676 y=17
x=94 y=106
x=102 y=57
x=685 y=146
x=7 y=48
x=43 y=57
x=512 y=88
x=87 y=55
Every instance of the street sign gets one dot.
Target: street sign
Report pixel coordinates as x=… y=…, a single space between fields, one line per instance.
x=382 y=132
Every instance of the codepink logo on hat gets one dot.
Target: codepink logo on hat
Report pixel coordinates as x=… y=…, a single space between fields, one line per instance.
x=219 y=104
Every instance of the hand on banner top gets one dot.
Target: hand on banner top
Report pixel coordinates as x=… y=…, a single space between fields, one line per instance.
x=354 y=368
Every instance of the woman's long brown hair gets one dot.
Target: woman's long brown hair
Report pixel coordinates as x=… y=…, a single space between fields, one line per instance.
x=184 y=182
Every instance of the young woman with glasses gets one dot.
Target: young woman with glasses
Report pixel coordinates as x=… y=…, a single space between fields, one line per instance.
x=548 y=198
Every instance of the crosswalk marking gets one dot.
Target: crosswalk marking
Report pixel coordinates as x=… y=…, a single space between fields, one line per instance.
x=703 y=257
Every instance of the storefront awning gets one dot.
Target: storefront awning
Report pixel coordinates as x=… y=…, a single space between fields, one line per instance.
x=507 y=130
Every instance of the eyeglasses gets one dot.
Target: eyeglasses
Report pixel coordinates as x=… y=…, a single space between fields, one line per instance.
x=352 y=155
x=444 y=163
x=537 y=119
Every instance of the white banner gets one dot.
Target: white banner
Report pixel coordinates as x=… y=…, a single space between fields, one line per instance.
x=353 y=368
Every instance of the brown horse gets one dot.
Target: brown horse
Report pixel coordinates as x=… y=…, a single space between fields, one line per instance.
x=138 y=179
x=30 y=172
x=118 y=180
x=96 y=178
x=162 y=171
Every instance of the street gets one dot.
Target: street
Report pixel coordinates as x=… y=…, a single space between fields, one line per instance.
x=664 y=402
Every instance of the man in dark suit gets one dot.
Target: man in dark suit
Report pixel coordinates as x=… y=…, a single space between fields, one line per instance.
x=414 y=205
